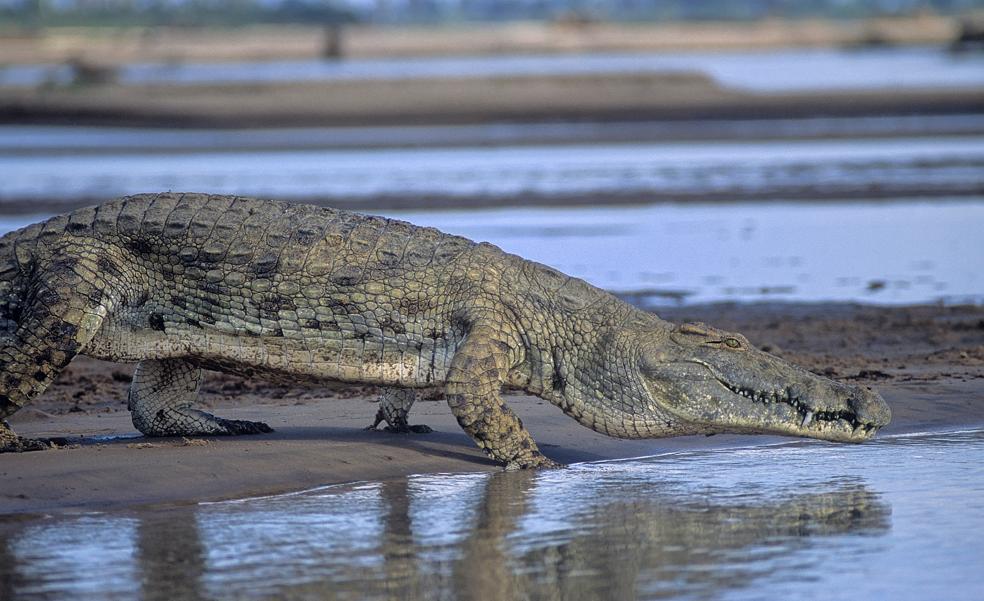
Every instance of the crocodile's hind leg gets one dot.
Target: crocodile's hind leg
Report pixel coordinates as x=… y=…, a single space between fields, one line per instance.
x=474 y=386
x=162 y=398
x=394 y=405
x=10 y=442
x=65 y=305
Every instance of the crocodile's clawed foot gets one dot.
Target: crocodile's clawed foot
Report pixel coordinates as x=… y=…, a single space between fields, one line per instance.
x=374 y=426
x=409 y=429
x=534 y=462
x=19 y=444
x=12 y=443
x=237 y=427
x=400 y=427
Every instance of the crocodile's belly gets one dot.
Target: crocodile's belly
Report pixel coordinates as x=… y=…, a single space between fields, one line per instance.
x=366 y=359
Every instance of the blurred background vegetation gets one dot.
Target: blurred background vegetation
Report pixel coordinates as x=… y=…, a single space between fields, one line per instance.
x=44 y=13
x=670 y=150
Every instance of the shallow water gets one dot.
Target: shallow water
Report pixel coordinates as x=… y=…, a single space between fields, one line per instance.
x=670 y=170
x=905 y=253
x=37 y=139
x=778 y=70
x=885 y=252
x=897 y=518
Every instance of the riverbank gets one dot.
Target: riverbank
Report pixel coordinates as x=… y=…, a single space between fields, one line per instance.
x=927 y=361
x=115 y=46
x=670 y=96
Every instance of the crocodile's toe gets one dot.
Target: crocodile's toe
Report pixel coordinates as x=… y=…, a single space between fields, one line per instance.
x=409 y=429
x=237 y=427
x=25 y=445
x=537 y=461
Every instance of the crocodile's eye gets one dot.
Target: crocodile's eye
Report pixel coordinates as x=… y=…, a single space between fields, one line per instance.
x=732 y=343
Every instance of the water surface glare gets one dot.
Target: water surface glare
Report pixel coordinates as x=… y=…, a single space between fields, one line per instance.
x=39 y=139
x=897 y=518
x=665 y=254
x=887 y=253
x=669 y=170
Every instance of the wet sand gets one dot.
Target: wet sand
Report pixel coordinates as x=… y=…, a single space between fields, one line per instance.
x=927 y=361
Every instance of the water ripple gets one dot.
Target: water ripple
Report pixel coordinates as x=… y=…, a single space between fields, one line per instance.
x=895 y=517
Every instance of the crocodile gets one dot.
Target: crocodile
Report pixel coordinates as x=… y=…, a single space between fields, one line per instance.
x=181 y=283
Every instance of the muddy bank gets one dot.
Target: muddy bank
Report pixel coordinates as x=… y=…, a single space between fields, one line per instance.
x=430 y=101
x=15 y=207
x=927 y=361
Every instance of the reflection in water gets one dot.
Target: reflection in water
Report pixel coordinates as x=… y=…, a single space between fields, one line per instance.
x=86 y=558
x=802 y=519
x=9 y=581
x=603 y=549
x=170 y=557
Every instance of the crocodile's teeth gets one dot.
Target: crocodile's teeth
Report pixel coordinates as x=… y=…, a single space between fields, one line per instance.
x=807 y=419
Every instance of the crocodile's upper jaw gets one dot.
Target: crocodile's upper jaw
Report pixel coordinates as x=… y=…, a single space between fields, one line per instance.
x=712 y=388
x=839 y=412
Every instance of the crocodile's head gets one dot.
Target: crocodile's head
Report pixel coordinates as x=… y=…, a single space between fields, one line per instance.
x=715 y=381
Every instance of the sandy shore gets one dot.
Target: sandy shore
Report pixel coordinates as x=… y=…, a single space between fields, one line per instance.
x=928 y=362
x=112 y=46
x=426 y=101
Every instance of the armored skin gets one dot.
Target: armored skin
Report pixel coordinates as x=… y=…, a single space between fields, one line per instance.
x=184 y=282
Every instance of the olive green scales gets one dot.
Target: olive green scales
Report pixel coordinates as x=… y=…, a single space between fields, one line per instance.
x=185 y=282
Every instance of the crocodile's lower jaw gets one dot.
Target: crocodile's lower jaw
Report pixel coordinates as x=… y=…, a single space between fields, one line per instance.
x=840 y=426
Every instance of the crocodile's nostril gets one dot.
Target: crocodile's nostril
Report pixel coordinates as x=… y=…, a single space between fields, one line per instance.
x=870 y=407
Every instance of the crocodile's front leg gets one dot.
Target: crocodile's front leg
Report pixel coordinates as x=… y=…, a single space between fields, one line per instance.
x=66 y=305
x=394 y=406
x=474 y=386
x=162 y=398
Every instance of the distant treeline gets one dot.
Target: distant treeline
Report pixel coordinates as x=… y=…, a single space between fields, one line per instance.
x=236 y=12
x=52 y=13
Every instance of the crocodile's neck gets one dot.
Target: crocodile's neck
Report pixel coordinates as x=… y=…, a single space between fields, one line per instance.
x=581 y=355
x=606 y=390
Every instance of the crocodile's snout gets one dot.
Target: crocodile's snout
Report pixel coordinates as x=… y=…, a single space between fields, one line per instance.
x=869 y=407
x=718 y=381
